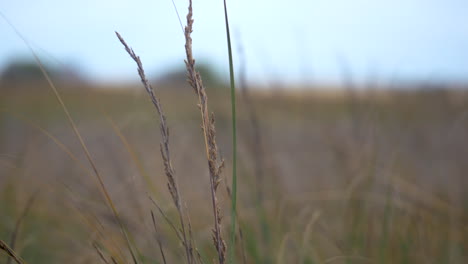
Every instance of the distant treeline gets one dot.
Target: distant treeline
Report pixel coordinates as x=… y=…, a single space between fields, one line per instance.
x=26 y=73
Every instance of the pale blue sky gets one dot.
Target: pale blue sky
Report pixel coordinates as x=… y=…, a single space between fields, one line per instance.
x=289 y=41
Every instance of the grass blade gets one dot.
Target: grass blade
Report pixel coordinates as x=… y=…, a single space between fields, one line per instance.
x=232 y=243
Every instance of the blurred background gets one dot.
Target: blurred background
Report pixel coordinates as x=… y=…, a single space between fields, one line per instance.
x=298 y=42
x=352 y=122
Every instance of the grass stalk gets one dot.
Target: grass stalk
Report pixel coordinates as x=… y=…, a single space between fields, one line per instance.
x=158 y=238
x=215 y=164
x=232 y=243
x=164 y=148
x=10 y=252
x=15 y=233
x=100 y=253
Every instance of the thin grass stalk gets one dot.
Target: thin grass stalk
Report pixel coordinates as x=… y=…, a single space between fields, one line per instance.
x=178 y=16
x=14 y=234
x=189 y=223
x=215 y=165
x=158 y=239
x=94 y=224
x=97 y=227
x=168 y=220
x=241 y=236
x=164 y=147
x=10 y=252
x=100 y=253
x=106 y=240
x=232 y=243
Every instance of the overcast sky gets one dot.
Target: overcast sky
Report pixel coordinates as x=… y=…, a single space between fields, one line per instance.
x=289 y=41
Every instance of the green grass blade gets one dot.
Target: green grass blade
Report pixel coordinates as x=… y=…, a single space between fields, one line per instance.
x=232 y=243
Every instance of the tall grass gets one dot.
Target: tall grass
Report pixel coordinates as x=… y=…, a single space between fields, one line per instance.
x=83 y=145
x=360 y=204
x=215 y=164
x=234 y=139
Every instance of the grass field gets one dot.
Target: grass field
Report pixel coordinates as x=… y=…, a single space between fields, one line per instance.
x=365 y=179
x=142 y=175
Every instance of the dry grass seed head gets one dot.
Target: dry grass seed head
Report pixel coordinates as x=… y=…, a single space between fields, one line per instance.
x=215 y=164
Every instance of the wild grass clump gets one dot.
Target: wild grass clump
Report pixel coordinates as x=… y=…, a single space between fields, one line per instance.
x=215 y=164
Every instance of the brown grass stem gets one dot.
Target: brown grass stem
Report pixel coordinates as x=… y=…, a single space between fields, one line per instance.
x=215 y=165
x=164 y=147
x=10 y=252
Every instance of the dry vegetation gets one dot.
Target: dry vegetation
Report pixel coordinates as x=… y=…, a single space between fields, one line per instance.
x=380 y=179
x=360 y=178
